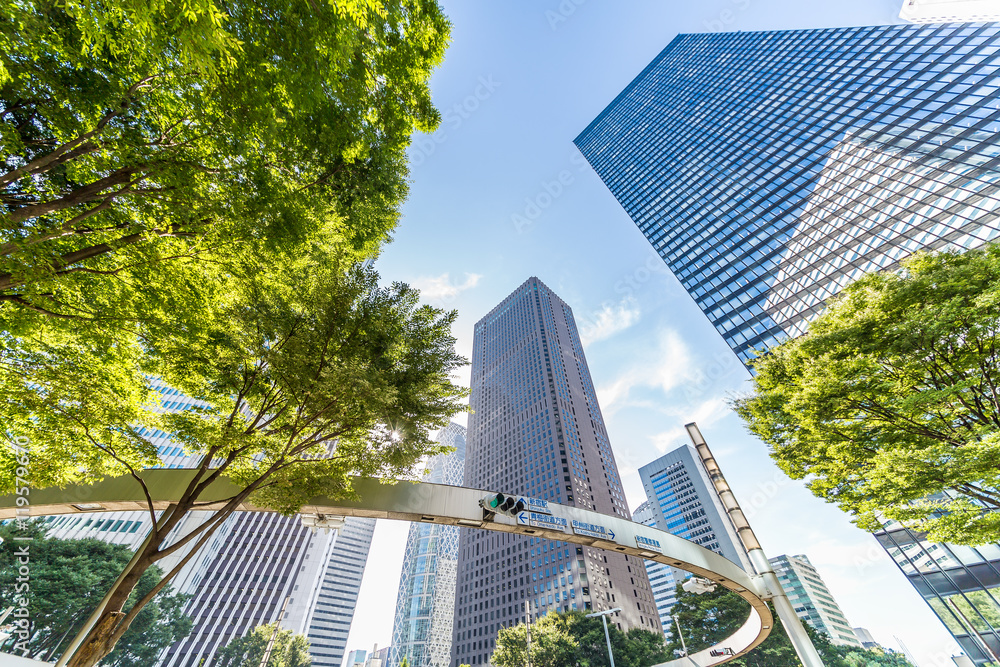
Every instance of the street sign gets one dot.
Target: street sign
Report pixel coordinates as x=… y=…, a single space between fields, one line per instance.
x=593 y=530
x=648 y=543
x=536 y=505
x=537 y=520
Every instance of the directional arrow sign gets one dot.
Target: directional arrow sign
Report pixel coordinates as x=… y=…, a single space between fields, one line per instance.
x=522 y=518
x=611 y=533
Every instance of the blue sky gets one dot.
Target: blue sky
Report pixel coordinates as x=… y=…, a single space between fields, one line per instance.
x=499 y=193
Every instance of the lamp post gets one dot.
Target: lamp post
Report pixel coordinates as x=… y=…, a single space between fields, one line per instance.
x=604 y=619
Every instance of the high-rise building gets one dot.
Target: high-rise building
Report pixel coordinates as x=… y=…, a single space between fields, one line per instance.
x=356 y=657
x=812 y=600
x=536 y=430
x=770 y=169
x=684 y=503
x=681 y=500
x=425 y=605
x=330 y=592
x=662 y=581
x=961 y=584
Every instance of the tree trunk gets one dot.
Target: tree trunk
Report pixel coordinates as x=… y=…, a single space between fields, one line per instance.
x=96 y=646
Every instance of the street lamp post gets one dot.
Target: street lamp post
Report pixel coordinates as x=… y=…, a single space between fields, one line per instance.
x=604 y=619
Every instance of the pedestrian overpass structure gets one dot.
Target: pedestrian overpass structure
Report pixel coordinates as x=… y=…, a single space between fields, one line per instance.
x=454 y=506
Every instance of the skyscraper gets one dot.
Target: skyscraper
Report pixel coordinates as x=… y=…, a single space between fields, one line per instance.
x=961 y=584
x=662 y=581
x=770 y=169
x=684 y=503
x=425 y=605
x=813 y=601
x=536 y=430
x=330 y=594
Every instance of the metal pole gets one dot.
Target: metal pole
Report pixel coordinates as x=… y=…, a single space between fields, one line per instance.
x=789 y=619
x=527 y=633
x=611 y=656
x=607 y=637
x=680 y=634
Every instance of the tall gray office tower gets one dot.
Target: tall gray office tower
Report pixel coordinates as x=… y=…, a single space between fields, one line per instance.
x=536 y=430
x=425 y=605
x=771 y=169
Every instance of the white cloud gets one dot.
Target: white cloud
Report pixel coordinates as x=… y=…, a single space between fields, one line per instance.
x=441 y=288
x=664 y=369
x=704 y=414
x=611 y=319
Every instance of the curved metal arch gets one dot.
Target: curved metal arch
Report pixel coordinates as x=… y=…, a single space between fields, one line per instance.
x=443 y=505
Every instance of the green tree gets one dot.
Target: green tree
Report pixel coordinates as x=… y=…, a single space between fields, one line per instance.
x=311 y=374
x=289 y=649
x=889 y=404
x=570 y=639
x=134 y=135
x=68 y=578
x=153 y=160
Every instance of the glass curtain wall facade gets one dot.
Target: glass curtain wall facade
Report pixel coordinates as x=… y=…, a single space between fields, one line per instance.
x=770 y=169
x=812 y=600
x=961 y=584
x=684 y=503
x=425 y=605
x=536 y=430
x=661 y=575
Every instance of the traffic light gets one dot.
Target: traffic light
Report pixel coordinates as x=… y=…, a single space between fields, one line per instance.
x=499 y=503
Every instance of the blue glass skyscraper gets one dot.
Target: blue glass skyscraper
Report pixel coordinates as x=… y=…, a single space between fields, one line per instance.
x=425 y=605
x=769 y=169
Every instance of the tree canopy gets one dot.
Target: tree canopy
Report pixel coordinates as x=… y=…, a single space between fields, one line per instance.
x=134 y=136
x=570 y=639
x=889 y=404
x=289 y=649
x=68 y=578
x=306 y=376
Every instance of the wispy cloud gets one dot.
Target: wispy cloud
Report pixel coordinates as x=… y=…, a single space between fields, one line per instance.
x=442 y=288
x=664 y=368
x=705 y=414
x=611 y=319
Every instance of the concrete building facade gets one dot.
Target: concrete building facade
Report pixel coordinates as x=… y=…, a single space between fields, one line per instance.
x=536 y=431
